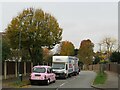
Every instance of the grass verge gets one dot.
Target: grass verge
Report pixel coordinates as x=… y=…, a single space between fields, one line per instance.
x=18 y=84
x=100 y=78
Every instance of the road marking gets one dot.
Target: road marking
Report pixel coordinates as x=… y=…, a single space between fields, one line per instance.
x=62 y=84
x=71 y=79
x=57 y=88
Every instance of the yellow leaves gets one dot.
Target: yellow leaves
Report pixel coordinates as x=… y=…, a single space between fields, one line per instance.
x=39 y=14
x=14 y=23
x=35 y=26
x=86 y=51
x=104 y=56
x=45 y=51
x=46 y=54
x=67 y=48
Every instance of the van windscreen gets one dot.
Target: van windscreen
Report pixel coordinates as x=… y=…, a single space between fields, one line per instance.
x=58 y=65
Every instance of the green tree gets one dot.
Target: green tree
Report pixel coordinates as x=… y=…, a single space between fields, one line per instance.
x=86 y=52
x=33 y=29
x=6 y=52
x=67 y=48
x=97 y=57
x=115 y=57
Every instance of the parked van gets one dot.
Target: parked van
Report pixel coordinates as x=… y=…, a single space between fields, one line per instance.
x=42 y=74
x=64 y=66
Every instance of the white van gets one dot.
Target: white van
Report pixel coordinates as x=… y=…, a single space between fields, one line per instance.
x=64 y=66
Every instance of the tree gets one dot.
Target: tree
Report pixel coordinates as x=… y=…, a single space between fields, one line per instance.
x=67 y=49
x=97 y=57
x=115 y=57
x=108 y=43
x=46 y=55
x=33 y=29
x=6 y=52
x=86 y=52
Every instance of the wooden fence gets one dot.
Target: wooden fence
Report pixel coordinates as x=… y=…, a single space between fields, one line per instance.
x=10 y=69
x=113 y=67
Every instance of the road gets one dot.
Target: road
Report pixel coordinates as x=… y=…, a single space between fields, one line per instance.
x=83 y=80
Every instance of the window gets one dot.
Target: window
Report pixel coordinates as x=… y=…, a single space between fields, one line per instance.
x=58 y=66
x=39 y=70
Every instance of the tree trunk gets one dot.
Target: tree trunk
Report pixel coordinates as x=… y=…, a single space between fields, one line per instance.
x=31 y=55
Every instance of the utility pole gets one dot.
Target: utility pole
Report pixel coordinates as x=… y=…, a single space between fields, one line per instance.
x=20 y=52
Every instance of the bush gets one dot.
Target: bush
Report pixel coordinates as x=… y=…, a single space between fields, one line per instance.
x=115 y=57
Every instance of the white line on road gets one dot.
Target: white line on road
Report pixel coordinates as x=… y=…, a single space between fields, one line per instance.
x=57 y=88
x=62 y=84
x=65 y=83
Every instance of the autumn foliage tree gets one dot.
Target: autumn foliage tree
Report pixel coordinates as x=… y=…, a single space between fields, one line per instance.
x=67 y=49
x=86 y=52
x=46 y=56
x=33 y=29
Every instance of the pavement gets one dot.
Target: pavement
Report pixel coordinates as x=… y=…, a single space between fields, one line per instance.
x=111 y=82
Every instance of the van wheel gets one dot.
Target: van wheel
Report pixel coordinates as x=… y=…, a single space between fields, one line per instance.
x=66 y=76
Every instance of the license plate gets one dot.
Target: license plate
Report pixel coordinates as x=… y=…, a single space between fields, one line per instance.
x=37 y=77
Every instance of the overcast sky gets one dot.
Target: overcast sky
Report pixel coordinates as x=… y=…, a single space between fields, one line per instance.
x=79 y=20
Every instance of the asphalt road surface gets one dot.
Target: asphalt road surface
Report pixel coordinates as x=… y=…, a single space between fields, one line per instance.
x=83 y=80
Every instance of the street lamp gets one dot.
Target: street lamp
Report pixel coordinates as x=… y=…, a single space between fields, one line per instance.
x=19 y=73
x=20 y=58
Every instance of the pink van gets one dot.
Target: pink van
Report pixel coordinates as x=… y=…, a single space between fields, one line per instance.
x=42 y=74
